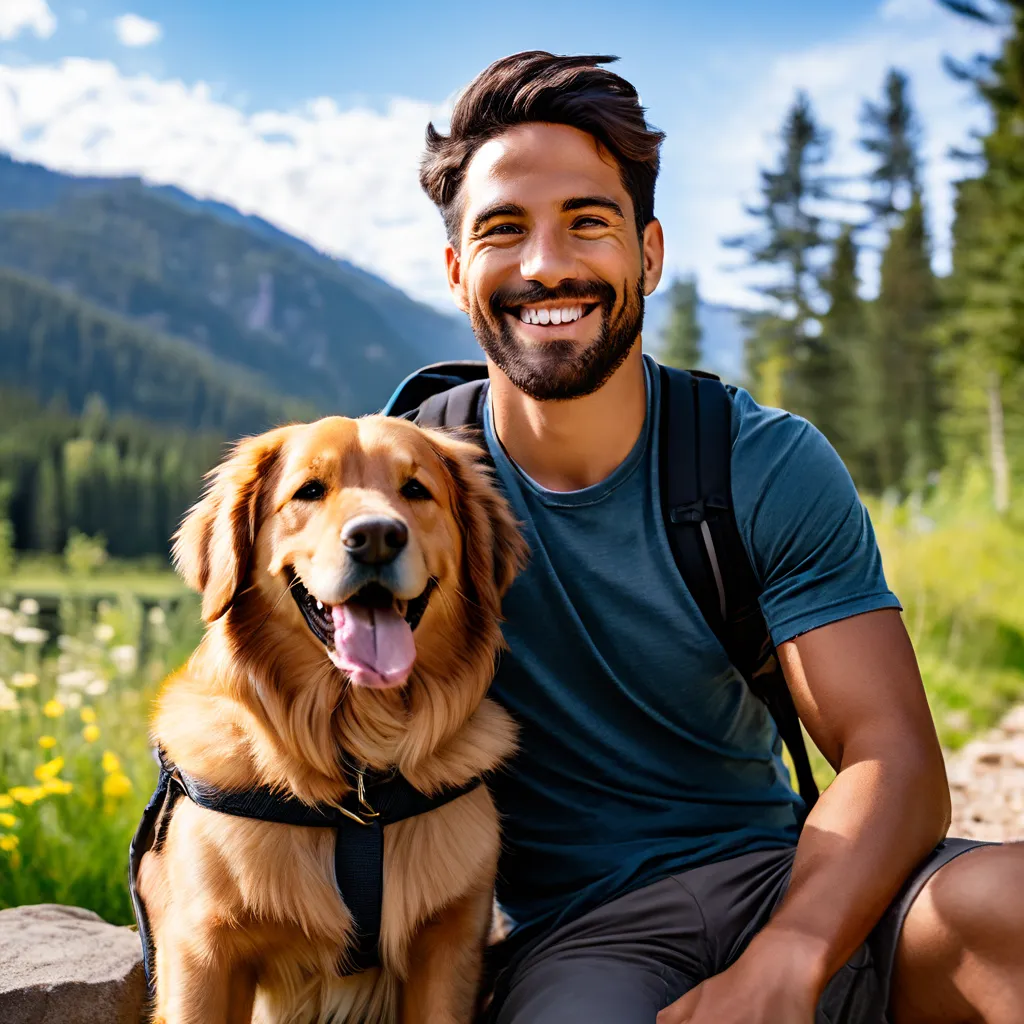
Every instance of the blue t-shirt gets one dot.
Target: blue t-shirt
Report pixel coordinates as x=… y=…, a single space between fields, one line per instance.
x=642 y=752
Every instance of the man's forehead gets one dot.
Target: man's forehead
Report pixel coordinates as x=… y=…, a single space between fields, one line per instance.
x=543 y=162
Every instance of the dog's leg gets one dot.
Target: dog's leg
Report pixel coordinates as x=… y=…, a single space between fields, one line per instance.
x=193 y=984
x=445 y=961
x=241 y=995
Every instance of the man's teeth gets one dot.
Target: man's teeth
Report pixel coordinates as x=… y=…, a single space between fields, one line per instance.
x=550 y=316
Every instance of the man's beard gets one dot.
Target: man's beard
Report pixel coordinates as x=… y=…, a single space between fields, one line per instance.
x=560 y=369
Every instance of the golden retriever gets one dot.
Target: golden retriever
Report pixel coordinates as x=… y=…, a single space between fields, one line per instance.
x=310 y=547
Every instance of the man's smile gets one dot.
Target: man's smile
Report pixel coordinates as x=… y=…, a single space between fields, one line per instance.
x=549 y=315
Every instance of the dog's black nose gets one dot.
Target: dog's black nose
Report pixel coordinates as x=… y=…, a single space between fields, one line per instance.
x=374 y=540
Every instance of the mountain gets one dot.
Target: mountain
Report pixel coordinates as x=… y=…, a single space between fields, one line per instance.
x=248 y=295
x=61 y=349
x=723 y=341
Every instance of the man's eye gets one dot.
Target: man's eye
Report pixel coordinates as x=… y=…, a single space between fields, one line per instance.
x=413 y=490
x=589 y=222
x=313 y=490
x=502 y=229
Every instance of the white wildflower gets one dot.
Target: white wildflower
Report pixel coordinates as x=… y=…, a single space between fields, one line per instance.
x=72 y=700
x=7 y=621
x=30 y=606
x=104 y=632
x=97 y=687
x=125 y=658
x=157 y=617
x=8 y=699
x=76 y=680
x=29 y=635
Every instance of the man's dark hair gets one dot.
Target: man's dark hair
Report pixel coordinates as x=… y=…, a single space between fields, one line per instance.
x=539 y=86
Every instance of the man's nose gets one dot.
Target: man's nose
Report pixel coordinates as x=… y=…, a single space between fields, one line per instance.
x=548 y=257
x=374 y=540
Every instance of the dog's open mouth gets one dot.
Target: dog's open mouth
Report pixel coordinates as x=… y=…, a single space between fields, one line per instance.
x=369 y=637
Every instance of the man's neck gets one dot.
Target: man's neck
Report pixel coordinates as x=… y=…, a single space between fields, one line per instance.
x=569 y=445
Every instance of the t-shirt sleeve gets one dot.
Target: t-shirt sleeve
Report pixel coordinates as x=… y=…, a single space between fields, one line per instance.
x=805 y=528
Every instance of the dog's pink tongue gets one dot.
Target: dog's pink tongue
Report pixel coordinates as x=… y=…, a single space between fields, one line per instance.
x=375 y=646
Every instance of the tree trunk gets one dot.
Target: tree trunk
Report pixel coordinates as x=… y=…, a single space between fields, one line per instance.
x=997 y=445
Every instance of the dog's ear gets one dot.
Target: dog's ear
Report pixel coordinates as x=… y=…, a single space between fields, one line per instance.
x=495 y=551
x=214 y=543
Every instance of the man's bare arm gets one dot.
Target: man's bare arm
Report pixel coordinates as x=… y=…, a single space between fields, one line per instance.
x=859 y=693
x=858 y=690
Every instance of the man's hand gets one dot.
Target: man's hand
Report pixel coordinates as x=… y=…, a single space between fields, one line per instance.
x=774 y=982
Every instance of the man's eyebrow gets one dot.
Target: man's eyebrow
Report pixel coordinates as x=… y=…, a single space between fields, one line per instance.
x=496 y=210
x=584 y=202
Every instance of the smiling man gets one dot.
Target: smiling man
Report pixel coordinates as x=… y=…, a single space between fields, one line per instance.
x=657 y=865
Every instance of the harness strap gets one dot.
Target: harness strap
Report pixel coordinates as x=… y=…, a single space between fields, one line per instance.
x=358 y=822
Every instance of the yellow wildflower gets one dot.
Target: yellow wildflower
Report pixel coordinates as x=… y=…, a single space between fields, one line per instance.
x=57 y=786
x=117 y=784
x=8 y=843
x=47 y=742
x=27 y=795
x=53 y=709
x=88 y=716
x=111 y=762
x=8 y=820
x=6 y=801
x=91 y=733
x=50 y=770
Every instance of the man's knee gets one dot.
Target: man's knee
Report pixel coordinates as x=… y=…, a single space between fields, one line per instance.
x=977 y=900
x=961 y=951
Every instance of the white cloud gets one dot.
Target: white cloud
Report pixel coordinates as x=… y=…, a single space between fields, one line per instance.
x=133 y=30
x=717 y=167
x=343 y=180
x=908 y=10
x=17 y=16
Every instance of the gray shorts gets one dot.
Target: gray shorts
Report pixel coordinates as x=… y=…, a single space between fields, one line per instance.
x=628 y=959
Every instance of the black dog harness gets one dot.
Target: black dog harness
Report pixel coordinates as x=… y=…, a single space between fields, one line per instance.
x=378 y=799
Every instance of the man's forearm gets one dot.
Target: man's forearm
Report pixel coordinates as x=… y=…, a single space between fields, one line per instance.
x=877 y=820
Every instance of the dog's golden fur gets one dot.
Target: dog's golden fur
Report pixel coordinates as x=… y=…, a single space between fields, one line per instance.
x=247 y=920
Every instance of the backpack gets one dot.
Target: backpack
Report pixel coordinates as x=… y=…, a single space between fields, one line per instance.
x=695 y=448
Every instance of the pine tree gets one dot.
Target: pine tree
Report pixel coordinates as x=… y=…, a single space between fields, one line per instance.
x=47 y=527
x=836 y=370
x=892 y=136
x=906 y=413
x=985 y=333
x=790 y=236
x=680 y=340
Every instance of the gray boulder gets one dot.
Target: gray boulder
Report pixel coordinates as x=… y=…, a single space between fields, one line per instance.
x=64 y=965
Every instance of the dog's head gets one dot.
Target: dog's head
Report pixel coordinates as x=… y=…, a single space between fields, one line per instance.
x=371 y=541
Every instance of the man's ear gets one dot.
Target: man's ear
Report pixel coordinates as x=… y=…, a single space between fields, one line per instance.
x=456 y=285
x=214 y=543
x=653 y=255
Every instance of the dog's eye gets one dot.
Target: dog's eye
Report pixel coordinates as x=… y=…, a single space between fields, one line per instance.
x=312 y=491
x=415 y=491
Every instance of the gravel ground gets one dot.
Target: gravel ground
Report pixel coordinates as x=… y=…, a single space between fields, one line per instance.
x=986 y=780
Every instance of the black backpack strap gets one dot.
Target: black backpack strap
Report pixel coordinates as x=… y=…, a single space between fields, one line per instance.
x=695 y=446
x=460 y=406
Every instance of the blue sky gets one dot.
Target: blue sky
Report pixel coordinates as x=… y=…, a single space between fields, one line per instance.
x=312 y=114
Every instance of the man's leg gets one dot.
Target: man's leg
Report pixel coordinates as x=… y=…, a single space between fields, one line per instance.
x=960 y=957
x=618 y=964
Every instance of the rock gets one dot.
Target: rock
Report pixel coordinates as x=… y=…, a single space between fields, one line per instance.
x=1013 y=723
x=64 y=965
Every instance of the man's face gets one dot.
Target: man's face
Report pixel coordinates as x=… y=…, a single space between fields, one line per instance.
x=550 y=268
